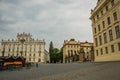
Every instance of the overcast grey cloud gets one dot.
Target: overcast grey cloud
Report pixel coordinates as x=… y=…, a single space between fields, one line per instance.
x=52 y=20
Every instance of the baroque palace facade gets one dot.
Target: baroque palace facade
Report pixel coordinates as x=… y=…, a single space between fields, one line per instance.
x=25 y=46
x=105 y=19
x=72 y=51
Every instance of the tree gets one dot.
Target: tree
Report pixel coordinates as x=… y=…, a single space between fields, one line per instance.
x=51 y=51
x=55 y=55
x=61 y=54
x=58 y=55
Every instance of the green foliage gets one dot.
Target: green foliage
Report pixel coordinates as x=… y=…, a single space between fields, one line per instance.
x=56 y=55
x=51 y=47
x=61 y=54
x=51 y=51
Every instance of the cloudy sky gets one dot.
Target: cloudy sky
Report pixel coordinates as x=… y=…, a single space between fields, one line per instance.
x=52 y=20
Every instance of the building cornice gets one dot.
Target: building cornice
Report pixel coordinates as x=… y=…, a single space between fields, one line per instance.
x=98 y=7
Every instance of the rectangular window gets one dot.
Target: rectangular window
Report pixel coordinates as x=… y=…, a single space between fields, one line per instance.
x=25 y=53
x=39 y=54
x=101 y=51
x=119 y=46
x=112 y=2
x=34 y=59
x=96 y=52
x=34 y=55
x=103 y=24
x=112 y=48
x=108 y=19
x=100 y=40
x=105 y=38
x=95 y=30
x=110 y=35
x=106 y=8
x=101 y=12
x=97 y=16
x=30 y=48
x=9 y=49
x=13 y=49
x=94 y=19
x=115 y=16
x=96 y=42
x=117 y=29
x=26 y=48
x=106 y=50
x=99 y=27
x=29 y=59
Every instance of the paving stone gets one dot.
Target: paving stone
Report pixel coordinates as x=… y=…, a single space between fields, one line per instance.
x=76 y=71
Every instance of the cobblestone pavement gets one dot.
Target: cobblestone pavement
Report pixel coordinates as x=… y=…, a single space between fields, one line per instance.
x=75 y=71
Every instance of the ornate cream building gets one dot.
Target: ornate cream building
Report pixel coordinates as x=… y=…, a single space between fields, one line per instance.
x=71 y=50
x=26 y=46
x=105 y=19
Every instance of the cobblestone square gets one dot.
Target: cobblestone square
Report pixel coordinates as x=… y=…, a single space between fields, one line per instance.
x=73 y=71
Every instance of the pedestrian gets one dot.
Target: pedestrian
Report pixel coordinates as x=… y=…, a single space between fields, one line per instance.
x=36 y=65
x=11 y=68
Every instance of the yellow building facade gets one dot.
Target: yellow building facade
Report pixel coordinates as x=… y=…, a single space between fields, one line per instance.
x=71 y=50
x=105 y=19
